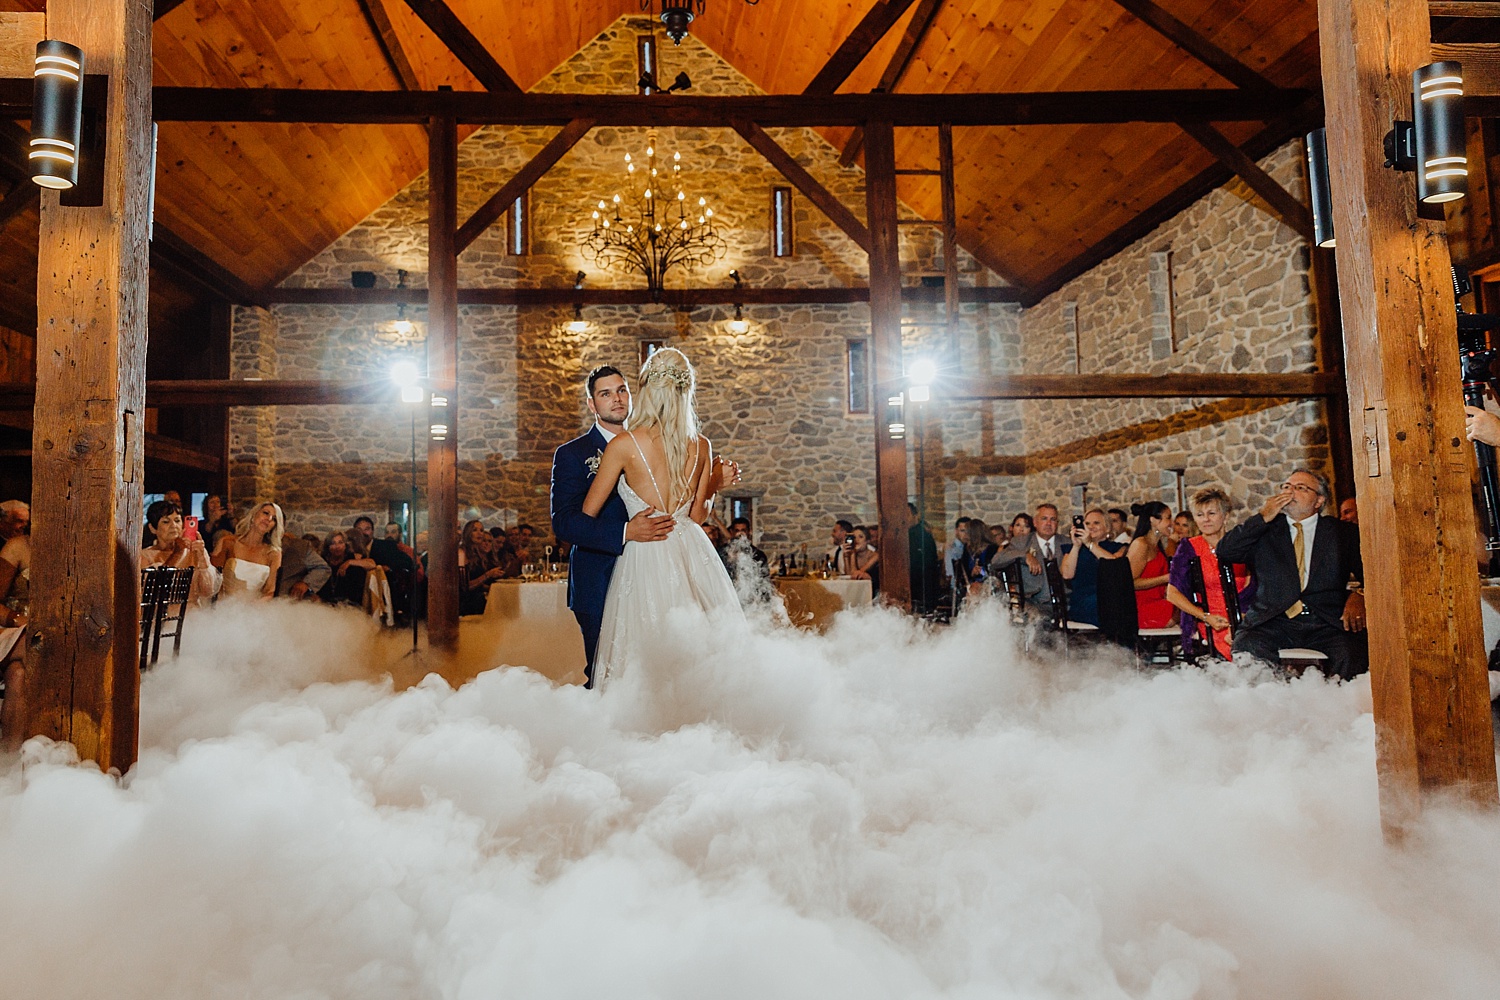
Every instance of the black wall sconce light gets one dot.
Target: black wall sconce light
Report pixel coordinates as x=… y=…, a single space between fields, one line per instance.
x=56 y=115
x=439 y=420
x=578 y=324
x=739 y=324
x=895 y=416
x=1321 y=194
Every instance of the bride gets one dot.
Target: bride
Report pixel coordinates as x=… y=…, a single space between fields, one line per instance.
x=661 y=462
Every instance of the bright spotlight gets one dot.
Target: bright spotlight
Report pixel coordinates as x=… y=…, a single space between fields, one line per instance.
x=405 y=373
x=923 y=371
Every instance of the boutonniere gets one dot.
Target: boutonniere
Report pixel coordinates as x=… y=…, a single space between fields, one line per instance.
x=593 y=462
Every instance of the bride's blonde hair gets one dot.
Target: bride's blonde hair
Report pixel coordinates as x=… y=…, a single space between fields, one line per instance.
x=664 y=399
x=246 y=528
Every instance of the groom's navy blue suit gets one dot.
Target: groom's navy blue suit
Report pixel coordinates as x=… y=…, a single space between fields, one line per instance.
x=596 y=541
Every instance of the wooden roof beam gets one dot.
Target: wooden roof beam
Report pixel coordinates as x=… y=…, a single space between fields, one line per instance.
x=878 y=20
x=1281 y=202
x=813 y=191
x=379 y=20
x=1174 y=385
x=185 y=262
x=1462 y=8
x=501 y=200
x=1190 y=41
x=676 y=298
x=470 y=51
x=911 y=40
x=354 y=107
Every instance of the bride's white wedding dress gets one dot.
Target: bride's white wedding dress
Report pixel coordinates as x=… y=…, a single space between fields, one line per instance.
x=652 y=579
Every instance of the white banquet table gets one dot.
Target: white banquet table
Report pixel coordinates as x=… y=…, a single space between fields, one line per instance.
x=532 y=627
x=811 y=602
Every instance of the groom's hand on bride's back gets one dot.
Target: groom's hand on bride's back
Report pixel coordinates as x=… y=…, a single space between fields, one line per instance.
x=649 y=526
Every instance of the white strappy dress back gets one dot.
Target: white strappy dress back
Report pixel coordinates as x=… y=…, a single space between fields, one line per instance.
x=653 y=578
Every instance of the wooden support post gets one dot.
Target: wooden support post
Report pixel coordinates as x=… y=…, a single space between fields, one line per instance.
x=1324 y=278
x=442 y=374
x=82 y=684
x=885 y=343
x=1427 y=658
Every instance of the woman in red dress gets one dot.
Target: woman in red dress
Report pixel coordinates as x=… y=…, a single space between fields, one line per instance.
x=1211 y=508
x=1148 y=563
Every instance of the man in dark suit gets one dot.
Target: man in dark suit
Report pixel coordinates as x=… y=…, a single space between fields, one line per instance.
x=1303 y=565
x=596 y=541
x=1042 y=547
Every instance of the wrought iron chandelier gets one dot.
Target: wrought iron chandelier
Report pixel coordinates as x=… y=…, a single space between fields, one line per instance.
x=676 y=15
x=652 y=227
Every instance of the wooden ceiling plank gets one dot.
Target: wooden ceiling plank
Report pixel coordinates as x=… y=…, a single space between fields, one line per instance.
x=1202 y=49
x=1281 y=202
x=438 y=16
x=528 y=175
x=890 y=78
x=878 y=20
x=811 y=189
x=390 y=45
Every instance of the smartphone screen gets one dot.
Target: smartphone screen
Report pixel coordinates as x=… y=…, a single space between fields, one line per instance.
x=190 y=528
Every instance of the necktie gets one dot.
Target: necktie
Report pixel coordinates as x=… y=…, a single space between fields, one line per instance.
x=1297 y=547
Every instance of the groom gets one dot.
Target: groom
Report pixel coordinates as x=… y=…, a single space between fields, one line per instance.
x=597 y=541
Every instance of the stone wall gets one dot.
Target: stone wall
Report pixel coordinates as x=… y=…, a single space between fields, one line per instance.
x=1221 y=287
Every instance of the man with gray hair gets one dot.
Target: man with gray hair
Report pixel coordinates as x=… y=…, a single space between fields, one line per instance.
x=1304 y=565
x=15 y=518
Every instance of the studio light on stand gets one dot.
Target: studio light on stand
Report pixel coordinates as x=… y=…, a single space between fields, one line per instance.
x=920 y=380
x=919 y=390
x=408 y=378
x=56 y=115
x=1321 y=194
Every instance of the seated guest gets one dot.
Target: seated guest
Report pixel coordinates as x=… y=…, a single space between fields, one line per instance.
x=924 y=568
x=303 y=569
x=1148 y=563
x=741 y=556
x=864 y=561
x=1034 y=550
x=523 y=541
x=313 y=540
x=955 y=550
x=1080 y=565
x=1349 y=511
x=217 y=521
x=1303 y=563
x=476 y=568
x=173 y=550
x=974 y=562
x=1183 y=528
x=1021 y=526
x=348 y=567
x=503 y=555
x=716 y=537
x=874 y=530
x=15 y=519
x=15 y=592
x=1119 y=525
x=842 y=532
x=250 y=558
x=1211 y=508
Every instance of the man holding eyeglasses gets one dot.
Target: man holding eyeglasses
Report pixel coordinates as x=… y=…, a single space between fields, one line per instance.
x=1303 y=567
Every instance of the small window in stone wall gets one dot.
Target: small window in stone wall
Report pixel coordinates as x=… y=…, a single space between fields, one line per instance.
x=1163 y=306
x=518 y=226
x=1174 y=488
x=857 y=368
x=650 y=347
x=1070 y=330
x=783 y=241
x=1080 y=497
x=645 y=60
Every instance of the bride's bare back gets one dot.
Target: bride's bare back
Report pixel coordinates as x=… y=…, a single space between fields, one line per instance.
x=640 y=457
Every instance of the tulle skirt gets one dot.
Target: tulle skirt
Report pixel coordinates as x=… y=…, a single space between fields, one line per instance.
x=652 y=580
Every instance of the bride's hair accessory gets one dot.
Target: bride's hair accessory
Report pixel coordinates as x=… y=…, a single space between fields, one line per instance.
x=680 y=377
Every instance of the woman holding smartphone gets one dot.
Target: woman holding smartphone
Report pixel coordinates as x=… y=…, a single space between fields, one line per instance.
x=177 y=546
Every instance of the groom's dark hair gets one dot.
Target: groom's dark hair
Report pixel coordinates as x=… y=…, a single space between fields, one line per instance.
x=603 y=371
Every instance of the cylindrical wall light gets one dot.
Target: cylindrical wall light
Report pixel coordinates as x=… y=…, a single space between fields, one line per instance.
x=56 y=114
x=1322 y=194
x=438 y=422
x=1442 y=143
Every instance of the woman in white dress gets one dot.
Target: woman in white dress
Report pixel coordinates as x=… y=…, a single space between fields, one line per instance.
x=661 y=462
x=250 y=557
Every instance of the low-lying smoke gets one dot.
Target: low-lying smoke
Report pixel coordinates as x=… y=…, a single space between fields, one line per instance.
x=756 y=813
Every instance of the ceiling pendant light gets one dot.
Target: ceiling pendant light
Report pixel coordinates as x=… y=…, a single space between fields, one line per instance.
x=677 y=15
x=56 y=114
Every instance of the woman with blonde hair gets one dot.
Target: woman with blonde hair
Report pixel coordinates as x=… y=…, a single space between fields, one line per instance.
x=660 y=463
x=1196 y=587
x=251 y=556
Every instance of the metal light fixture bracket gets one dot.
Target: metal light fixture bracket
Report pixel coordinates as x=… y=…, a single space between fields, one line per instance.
x=1400 y=145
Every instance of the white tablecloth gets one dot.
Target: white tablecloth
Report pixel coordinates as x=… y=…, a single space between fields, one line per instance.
x=812 y=603
x=513 y=599
x=529 y=624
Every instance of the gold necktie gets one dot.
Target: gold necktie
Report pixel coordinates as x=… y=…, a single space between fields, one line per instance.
x=1296 y=609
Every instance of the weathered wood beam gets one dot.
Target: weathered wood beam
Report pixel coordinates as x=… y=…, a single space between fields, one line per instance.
x=161 y=8
x=1463 y=8
x=1174 y=385
x=470 y=51
x=1427 y=657
x=499 y=202
x=356 y=107
x=188 y=264
x=1190 y=41
x=21 y=196
x=442 y=368
x=878 y=20
x=19 y=33
x=82 y=682
x=885 y=345
x=1481 y=62
x=1288 y=209
x=1276 y=133
x=681 y=298
x=169 y=449
x=911 y=40
x=220 y=393
x=825 y=201
x=379 y=20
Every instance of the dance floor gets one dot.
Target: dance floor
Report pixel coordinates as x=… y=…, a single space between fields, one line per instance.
x=879 y=812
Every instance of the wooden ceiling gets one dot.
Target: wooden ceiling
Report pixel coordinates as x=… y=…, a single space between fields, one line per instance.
x=1035 y=203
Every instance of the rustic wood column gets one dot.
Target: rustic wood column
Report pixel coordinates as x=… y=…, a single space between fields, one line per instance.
x=442 y=373
x=1432 y=706
x=885 y=345
x=82 y=684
